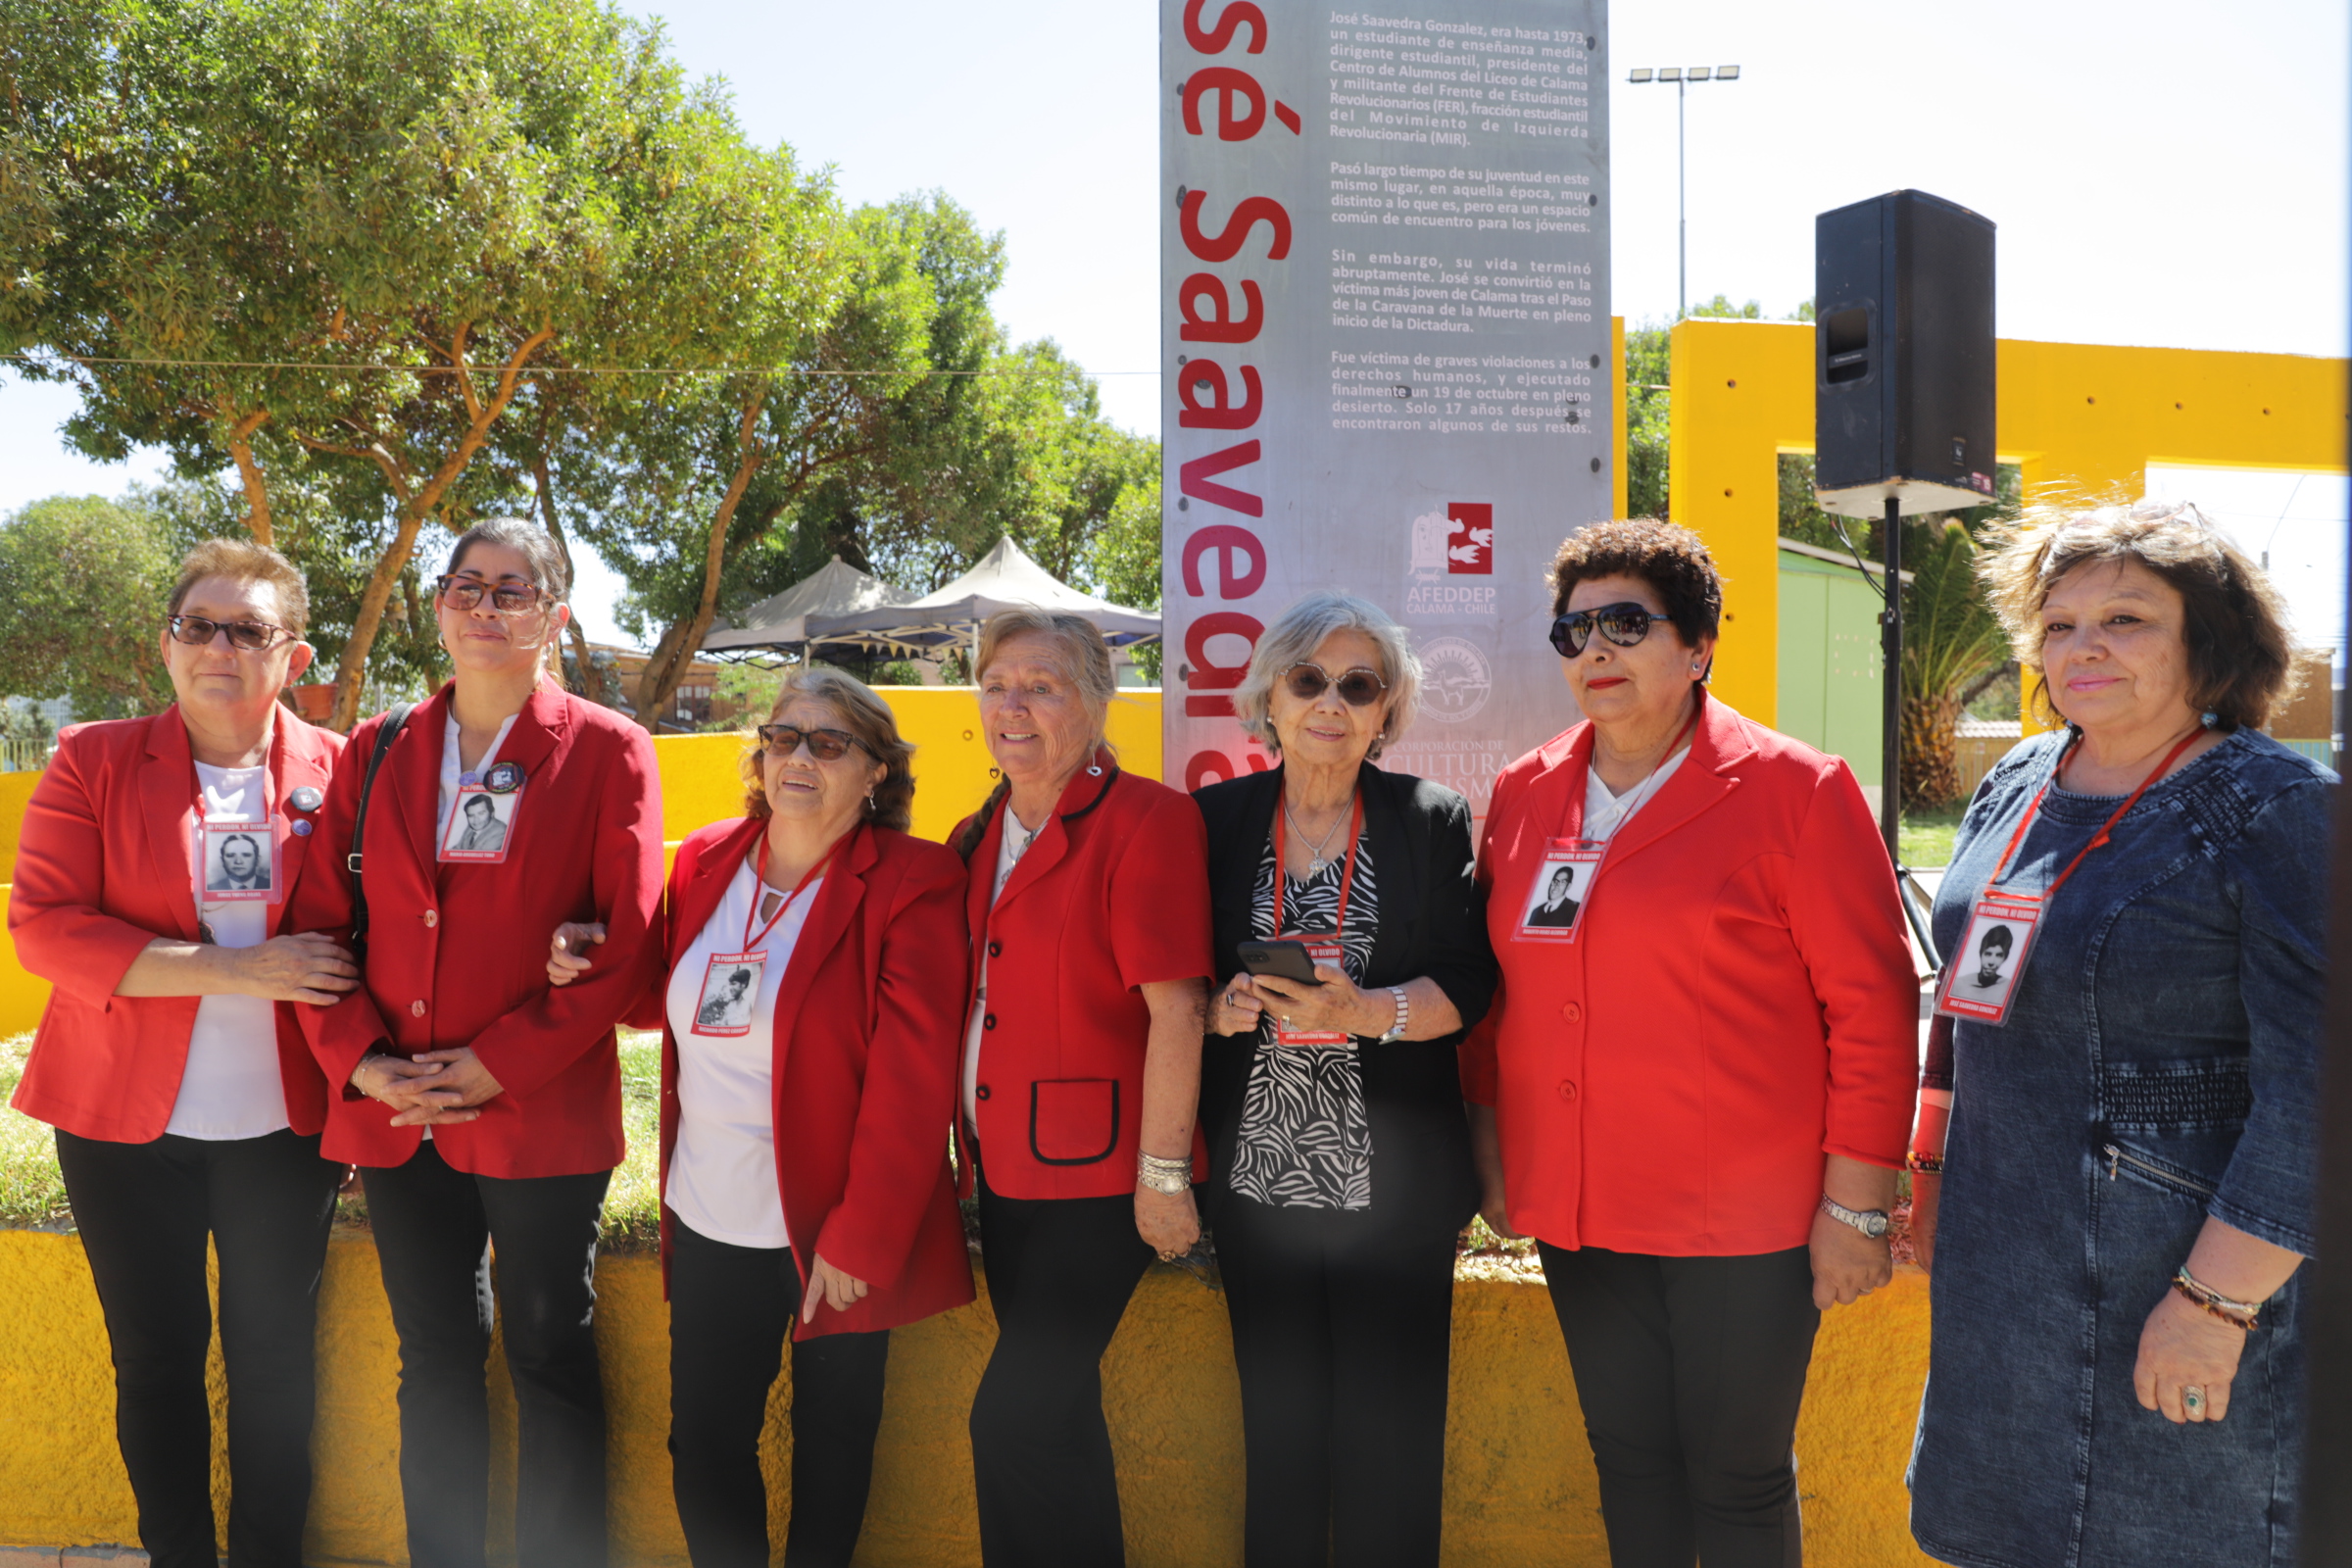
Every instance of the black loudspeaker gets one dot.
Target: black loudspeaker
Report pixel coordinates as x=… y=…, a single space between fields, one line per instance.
x=1903 y=356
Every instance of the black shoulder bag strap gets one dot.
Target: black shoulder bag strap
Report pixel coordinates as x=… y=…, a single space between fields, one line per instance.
x=395 y=717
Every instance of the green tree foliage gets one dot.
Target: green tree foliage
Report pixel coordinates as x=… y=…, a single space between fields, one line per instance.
x=81 y=581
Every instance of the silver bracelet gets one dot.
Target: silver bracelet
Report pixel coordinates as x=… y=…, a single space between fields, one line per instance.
x=1404 y=1014
x=1168 y=1177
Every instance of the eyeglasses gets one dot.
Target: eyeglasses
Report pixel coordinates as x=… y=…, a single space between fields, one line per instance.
x=825 y=745
x=1624 y=625
x=465 y=593
x=1358 y=687
x=250 y=635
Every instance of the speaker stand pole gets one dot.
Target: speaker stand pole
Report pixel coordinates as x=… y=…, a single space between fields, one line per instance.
x=1890 y=656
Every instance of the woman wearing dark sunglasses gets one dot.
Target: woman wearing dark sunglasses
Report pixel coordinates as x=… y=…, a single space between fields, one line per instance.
x=1695 y=1091
x=483 y=1106
x=809 y=1012
x=184 y=1112
x=1340 y=1168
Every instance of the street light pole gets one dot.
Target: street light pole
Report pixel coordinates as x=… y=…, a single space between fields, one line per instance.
x=1681 y=78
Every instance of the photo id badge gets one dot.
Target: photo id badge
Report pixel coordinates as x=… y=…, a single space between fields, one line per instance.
x=478 y=829
x=235 y=861
x=1556 y=898
x=1981 y=974
x=730 y=986
x=1323 y=949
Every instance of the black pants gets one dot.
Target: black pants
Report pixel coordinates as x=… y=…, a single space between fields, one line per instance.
x=731 y=1310
x=434 y=1227
x=1059 y=1274
x=1342 y=1331
x=144 y=1211
x=1691 y=1371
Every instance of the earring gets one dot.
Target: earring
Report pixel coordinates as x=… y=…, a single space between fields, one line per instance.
x=1094 y=770
x=2208 y=719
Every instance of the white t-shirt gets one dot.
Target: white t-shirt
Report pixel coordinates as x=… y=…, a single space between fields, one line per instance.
x=1606 y=812
x=231 y=1087
x=722 y=1173
x=1009 y=850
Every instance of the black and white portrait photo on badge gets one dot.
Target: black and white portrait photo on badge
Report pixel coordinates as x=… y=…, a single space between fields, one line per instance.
x=479 y=828
x=730 y=988
x=1984 y=969
x=1557 y=895
x=237 y=861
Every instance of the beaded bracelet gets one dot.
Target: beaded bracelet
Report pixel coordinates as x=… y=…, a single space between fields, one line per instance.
x=2244 y=1315
x=1925 y=1164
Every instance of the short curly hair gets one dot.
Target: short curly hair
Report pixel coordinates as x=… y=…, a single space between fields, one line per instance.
x=863 y=714
x=2241 y=657
x=1671 y=559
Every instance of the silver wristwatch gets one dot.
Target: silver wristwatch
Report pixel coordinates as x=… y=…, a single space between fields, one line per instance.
x=1871 y=1222
x=1403 y=1015
x=1166 y=1177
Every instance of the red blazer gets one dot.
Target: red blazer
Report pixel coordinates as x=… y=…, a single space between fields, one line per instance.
x=1740 y=1000
x=103 y=868
x=1112 y=895
x=864 y=1073
x=456 y=954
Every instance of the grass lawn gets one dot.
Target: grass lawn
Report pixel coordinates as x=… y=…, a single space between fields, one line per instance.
x=1925 y=836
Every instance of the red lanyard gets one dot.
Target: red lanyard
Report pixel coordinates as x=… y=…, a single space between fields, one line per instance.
x=1282 y=881
x=760 y=881
x=1576 y=801
x=2100 y=836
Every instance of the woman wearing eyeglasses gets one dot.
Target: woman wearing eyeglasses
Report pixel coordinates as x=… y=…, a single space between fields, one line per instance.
x=482 y=1105
x=1697 y=1090
x=183 y=1110
x=810 y=1011
x=1339 y=1173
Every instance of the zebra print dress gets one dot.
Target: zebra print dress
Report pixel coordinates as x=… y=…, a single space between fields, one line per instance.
x=1305 y=1142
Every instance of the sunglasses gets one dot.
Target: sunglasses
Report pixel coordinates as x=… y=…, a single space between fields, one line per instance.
x=825 y=745
x=1358 y=687
x=250 y=635
x=1624 y=625
x=465 y=593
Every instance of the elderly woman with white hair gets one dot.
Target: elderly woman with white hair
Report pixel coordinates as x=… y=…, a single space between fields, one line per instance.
x=1340 y=1159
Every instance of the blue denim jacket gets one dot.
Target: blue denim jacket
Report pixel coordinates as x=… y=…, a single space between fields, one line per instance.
x=2159 y=1064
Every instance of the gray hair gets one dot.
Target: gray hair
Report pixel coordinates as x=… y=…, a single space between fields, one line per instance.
x=1294 y=639
x=1078 y=648
x=551 y=570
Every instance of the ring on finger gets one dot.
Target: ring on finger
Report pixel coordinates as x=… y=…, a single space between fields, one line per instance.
x=2192 y=1399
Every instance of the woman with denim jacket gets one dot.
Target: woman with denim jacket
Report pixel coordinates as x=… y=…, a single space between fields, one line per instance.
x=2118 y=1208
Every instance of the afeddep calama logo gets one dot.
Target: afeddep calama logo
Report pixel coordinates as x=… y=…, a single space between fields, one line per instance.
x=1448 y=545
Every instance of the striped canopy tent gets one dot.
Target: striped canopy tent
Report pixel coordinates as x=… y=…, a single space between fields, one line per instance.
x=779 y=623
x=1003 y=579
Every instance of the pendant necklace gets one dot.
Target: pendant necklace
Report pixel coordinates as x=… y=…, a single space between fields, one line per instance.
x=1317 y=858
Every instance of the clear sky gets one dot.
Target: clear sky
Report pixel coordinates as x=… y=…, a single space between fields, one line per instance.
x=2162 y=173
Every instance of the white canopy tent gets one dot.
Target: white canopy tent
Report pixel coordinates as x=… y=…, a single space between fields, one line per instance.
x=1003 y=579
x=780 y=623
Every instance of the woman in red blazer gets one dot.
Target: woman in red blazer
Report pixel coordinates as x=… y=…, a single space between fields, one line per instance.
x=807 y=1014
x=1699 y=1065
x=150 y=890
x=1090 y=922
x=481 y=1106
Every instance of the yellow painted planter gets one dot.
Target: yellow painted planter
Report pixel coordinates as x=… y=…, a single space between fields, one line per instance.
x=1519 y=1479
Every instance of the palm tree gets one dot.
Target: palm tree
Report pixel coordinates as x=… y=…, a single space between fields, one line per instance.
x=1950 y=642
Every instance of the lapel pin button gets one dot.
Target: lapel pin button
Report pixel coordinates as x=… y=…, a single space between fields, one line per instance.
x=305 y=798
x=302 y=827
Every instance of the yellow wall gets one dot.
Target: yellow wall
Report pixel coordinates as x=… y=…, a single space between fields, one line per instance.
x=700 y=784
x=2079 y=419
x=1519 y=1481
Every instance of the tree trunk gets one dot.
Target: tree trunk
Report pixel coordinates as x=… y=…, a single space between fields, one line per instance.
x=1931 y=750
x=668 y=665
x=590 y=685
x=249 y=473
x=350 y=671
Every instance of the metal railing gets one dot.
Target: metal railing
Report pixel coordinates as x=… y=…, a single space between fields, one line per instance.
x=24 y=756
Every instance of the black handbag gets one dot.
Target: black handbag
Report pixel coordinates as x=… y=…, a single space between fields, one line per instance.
x=394 y=718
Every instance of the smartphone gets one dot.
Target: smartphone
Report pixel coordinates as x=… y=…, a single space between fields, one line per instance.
x=1287 y=961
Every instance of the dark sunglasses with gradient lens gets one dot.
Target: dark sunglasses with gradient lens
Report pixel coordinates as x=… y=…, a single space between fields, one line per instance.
x=465 y=593
x=1358 y=687
x=825 y=745
x=1624 y=625
x=252 y=636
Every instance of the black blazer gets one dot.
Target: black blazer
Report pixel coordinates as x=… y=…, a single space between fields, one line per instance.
x=1433 y=922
